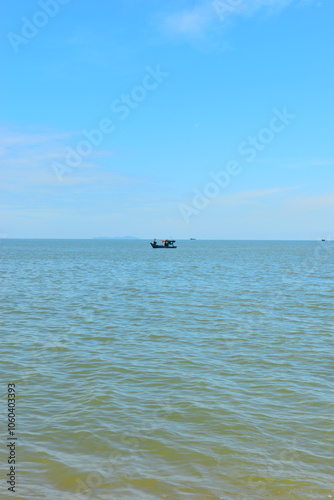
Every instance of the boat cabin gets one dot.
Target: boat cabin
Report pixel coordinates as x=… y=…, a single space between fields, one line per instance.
x=164 y=244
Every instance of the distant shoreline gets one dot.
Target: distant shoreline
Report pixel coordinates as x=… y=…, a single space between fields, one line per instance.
x=115 y=238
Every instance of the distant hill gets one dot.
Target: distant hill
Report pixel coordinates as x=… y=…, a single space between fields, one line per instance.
x=116 y=238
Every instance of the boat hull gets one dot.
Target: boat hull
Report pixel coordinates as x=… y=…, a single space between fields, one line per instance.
x=161 y=246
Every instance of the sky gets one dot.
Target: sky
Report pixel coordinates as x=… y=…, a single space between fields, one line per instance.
x=204 y=119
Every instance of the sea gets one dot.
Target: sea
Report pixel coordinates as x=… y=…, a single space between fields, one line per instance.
x=197 y=373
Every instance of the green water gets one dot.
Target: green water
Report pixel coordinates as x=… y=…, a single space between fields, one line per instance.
x=204 y=372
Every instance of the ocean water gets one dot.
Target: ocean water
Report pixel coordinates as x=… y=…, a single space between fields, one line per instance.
x=204 y=372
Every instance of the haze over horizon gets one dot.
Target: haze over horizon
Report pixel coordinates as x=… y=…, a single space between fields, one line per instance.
x=197 y=119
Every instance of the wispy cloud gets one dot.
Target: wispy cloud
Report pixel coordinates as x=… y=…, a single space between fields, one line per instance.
x=298 y=163
x=198 y=20
x=189 y=22
x=252 y=197
x=310 y=203
x=27 y=176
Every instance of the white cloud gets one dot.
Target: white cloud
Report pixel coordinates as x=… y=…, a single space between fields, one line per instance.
x=251 y=197
x=27 y=172
x=310 y=203
x=198 y=20
x=226 y=8
x=298 y=163
x=191 y=22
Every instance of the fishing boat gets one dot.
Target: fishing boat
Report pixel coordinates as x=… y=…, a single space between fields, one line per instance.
x=164 y=244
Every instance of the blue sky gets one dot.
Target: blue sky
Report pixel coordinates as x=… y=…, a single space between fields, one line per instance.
x=182 y=118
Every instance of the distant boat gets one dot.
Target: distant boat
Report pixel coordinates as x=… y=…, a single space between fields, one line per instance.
x=165 y=244
x=193 y=238
x=323 y=239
